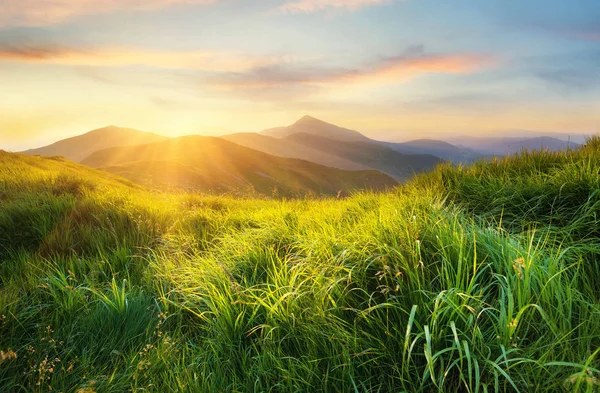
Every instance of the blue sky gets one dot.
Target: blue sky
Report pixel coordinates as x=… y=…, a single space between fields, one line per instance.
x=391 y=69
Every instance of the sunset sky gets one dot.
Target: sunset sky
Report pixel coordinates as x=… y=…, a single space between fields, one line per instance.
x=393 y=69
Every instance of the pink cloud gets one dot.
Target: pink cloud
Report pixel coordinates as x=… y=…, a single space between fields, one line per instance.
x=381 y=72
x=49 y=12
x=307 y=6
x=124 y=56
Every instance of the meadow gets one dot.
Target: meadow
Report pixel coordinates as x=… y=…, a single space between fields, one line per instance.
x=479 y=278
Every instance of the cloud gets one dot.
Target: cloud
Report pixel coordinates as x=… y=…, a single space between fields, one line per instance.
x=569 y=72
x=308 y=6
x=49 y=12
x=123 y=56
x=587 y=35
x=382 y=71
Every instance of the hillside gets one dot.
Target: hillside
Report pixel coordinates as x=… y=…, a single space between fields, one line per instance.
x=214 y=165
x=81 y=146
x=286 y=147
x=339 y=154
x=471 y=278
x=373 y=155
x=310 y=125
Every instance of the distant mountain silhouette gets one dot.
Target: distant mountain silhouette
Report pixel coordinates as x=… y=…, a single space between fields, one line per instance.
x=511 y=145
x=372 y=155
x=437 y=148
x=287 y=147
x=310 y=125
x=79 y=147
x=211 y=164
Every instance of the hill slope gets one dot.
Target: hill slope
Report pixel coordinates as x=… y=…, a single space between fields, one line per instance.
x=469 y=278
x=340 y=154
x=285 y=147
x=79 y=147
x=215 y=165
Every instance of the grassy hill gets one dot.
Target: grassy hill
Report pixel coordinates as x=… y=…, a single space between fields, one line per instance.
x=476 y=278
x=81 y=146
x=214 y=165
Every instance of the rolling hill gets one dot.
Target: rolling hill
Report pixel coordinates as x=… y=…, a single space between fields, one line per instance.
x=214 y=165
x=79 y=147
x=472 y=278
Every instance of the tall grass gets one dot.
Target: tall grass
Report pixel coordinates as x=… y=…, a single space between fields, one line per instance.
x=469 y=279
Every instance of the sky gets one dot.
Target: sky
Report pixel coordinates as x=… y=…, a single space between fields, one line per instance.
x=392 y=69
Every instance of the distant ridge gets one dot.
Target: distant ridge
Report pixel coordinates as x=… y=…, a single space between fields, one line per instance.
x=437 y=148
x=287 y=147
x=512 y=145
x=79 y=147
x=371 y=154
x=309 y=125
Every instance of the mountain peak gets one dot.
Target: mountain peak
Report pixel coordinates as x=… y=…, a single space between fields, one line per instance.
x=310 y=125
x=309 y=120
x=110 y=128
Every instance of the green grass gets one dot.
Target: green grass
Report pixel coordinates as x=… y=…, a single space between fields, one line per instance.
x=469 y=279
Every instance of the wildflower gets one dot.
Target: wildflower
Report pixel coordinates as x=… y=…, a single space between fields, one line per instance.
x=8 y=355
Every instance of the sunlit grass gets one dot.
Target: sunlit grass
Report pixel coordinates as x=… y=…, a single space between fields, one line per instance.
x=470 y=279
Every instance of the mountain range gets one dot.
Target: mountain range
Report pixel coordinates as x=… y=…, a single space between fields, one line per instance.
x=309 y=156
x=501 y=146
x=215 y=165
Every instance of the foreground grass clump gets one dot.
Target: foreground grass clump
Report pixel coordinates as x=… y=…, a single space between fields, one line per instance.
x=469 y=279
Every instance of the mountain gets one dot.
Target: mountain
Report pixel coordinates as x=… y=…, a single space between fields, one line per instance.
x=437 y=148
x=287 y=147
x=512 y=145
x=310 y=125
x=215 y=165
x=79 y=147
x=373 y=155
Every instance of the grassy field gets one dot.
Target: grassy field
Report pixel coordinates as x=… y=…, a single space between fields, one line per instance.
x=483 y=278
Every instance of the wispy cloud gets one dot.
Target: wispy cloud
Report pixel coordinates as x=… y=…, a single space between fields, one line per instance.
x=123 y=56
x=586 y=35
x=308 y=6
x=49 y=12
x=387 y=70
